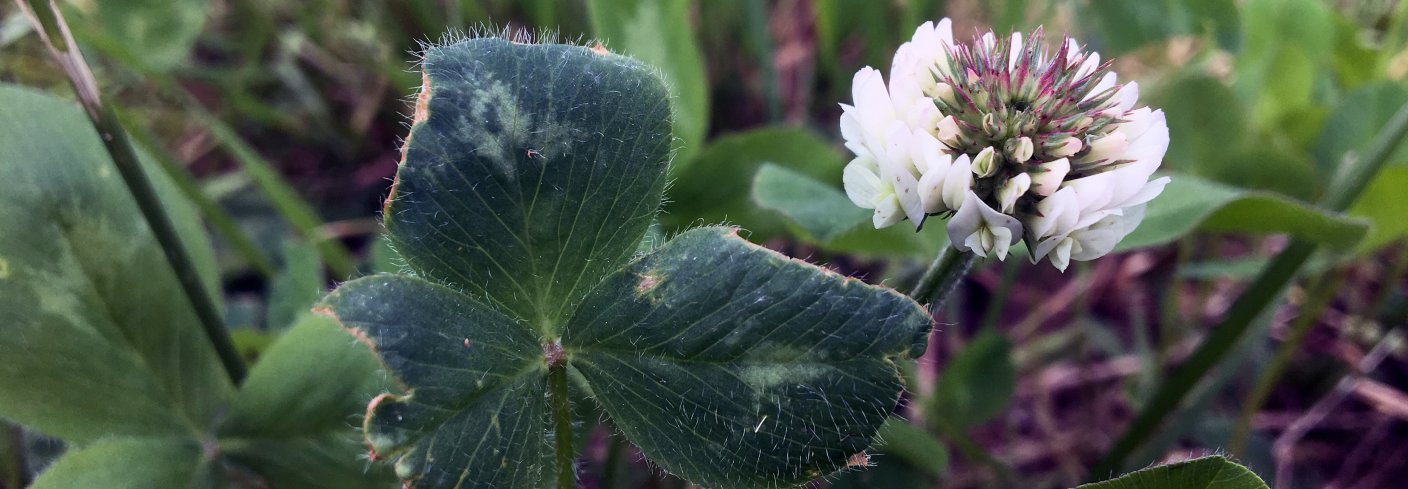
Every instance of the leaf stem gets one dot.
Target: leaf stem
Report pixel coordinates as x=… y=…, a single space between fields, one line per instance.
x=1263 y=291
x=1320 y=296
x=49 y=22
x=948 y=268
x=562 y=425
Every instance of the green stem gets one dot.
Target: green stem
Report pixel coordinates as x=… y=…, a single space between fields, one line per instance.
x=47 y=18
x=562 y=426
x=1320 y=296
x=1263 y=291
x=220 y=220
x=942 y=276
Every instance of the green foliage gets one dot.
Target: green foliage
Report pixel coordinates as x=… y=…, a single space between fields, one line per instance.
x=1201 y=473
x=1383 y=204
x=83 y=282
x=821 y=211
x=516 y=207
x=659 y=34
x=159 y=32
x=296 y=287
x=976 y=385
x=1190 y=203
x=717 y=187
x=102 y=351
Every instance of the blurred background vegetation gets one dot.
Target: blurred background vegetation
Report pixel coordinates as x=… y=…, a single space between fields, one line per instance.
x=281 y=120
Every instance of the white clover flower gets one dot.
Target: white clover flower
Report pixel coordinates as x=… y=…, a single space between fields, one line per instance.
x=1008 y=140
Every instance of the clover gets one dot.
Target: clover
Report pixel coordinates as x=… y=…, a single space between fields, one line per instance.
x=528 y=182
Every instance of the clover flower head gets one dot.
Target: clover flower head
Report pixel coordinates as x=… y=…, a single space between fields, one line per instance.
x=1007 y=139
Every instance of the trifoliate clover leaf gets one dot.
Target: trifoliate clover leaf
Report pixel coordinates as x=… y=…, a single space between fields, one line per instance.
x=530 y=176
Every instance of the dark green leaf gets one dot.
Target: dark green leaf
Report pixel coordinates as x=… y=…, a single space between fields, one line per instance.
x=531 y=171
x=736 y=367
x=132 y=463
x=977 y=384
x=1190 y=203
x=1287 y=47
x=659 y=34
x=472 y=410
x=718 y=187
x=98 y=338
x=820 y=210
x=1200 y=473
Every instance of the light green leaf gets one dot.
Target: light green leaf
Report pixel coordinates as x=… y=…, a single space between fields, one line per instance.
x=296 y=287
x=659 y=33
x=335 y=459
x=1200 y=473
x=735 y=367
x=311 y=381
x=471 y=410
x=530 y=173
x=1190 y=203
x=1383 y=204
x=160 y=33
x=1355 y=121
x=132 y=463
x=821 y=211
x=1287 y=47
x=913 y=445
x=718 y=187
x=291 y=421
x=977 y=384
x=95 y=331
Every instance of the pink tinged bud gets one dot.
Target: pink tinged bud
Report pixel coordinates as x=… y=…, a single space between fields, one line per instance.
x=1064 y=147
x=1047 y=178
x=985 y=164
x=1013 y=189
x=943 y=92
x=949 y=130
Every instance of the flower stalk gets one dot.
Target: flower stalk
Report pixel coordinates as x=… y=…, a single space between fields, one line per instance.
x=942 y=276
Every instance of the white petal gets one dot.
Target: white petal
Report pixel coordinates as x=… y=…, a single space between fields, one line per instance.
x=931 y=187
x=1092 y=61
x=1016 y=52
x=1136 y=122
x=887 y=212
x=1049 y=176
x=1127 y=96
x=1057 y=215
x=981 y=229
x=1092 y=192
x=1012 y=189
x=898 y=149
x=861 y=183
x=1147 y=193
x=964 y=225
x=907 y=189
x=929 y=153
x=1106 y=82
x=957 y=182
x=1060 y=255
x=1108 y=149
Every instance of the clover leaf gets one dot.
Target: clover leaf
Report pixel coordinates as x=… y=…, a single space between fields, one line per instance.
x=530 y=176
